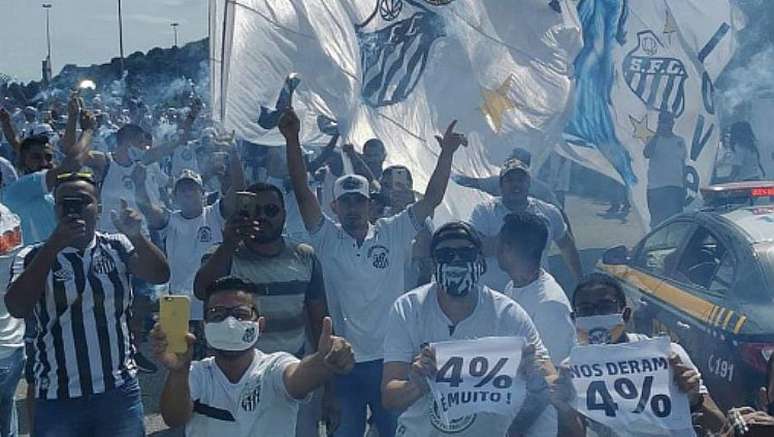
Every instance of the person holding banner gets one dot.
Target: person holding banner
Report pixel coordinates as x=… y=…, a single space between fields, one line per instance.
x=601 y=316
x=364 y=268
x=453 y=308
x=522 y=241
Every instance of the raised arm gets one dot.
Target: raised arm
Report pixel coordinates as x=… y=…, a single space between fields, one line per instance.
x=236 y=175
x=334 y=356
x=74 y=108
x=439 y=180
x=8 y=131
x=156 y=215
x=147 y=262
x=77 y=154
x=156 y=154
x=175 y=404
x=326 y=153
x=308 y=204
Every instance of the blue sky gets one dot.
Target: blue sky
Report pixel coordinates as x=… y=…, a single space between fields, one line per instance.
x=85 y=32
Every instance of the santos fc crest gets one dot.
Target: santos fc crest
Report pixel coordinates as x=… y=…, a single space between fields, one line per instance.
x=655 y=76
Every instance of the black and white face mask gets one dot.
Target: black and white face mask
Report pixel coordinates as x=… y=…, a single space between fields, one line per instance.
x=458 y=279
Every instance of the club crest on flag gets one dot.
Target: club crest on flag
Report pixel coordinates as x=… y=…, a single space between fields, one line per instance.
x=657 y=79
x=393 y=58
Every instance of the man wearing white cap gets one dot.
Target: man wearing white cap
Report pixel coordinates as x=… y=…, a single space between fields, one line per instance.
x=363 y=265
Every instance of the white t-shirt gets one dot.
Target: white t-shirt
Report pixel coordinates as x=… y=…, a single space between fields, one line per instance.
x=666 y=167
x=9 y=172
x=489 y=217
x=548 y=307
x=187 y=240
x=257 y=405
x=363 y=281
x=118 y=184
x=416 y=318
x=11 y=328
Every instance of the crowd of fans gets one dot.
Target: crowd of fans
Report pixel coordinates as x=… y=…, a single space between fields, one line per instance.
x=315 y=293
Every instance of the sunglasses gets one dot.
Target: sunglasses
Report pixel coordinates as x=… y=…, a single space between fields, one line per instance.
x=600 y=308
x=219 y=313
x=446 y=255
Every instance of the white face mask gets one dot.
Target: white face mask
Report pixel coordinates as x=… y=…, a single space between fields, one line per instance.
x=231 y=334
x=600 y=329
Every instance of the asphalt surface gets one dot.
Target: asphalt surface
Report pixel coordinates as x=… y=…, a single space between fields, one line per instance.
x=594 y=233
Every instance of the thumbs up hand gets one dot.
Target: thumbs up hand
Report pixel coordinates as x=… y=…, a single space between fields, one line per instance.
x=336 y=351
x=128 y=221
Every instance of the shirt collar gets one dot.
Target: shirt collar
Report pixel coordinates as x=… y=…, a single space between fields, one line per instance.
x=91 y=245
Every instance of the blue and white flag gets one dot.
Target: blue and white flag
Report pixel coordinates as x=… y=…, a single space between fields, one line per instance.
x=641 y=58
x=401 y=70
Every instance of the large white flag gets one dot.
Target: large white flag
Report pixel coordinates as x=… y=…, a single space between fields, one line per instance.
x=400 y=70
x=641 y=58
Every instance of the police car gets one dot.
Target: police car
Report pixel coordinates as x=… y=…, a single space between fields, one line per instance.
x=706 y=278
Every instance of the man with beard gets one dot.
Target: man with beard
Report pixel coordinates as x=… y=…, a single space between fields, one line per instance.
x=292 y=294
x=364 y=268
x=242 y=390
x=456 y=307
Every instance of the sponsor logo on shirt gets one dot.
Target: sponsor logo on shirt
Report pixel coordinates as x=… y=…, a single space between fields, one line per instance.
x=379 y=256
x=453 y=427
x=204 y=234
x=64 y=275
x=251 y=396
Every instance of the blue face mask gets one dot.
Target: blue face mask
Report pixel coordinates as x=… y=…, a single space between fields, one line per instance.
x=136 y=154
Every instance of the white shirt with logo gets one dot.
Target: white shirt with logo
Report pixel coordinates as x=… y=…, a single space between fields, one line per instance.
x=363 y=281
x=187 y=240
x=416 y=319
x=256 y=405
x=548 y=307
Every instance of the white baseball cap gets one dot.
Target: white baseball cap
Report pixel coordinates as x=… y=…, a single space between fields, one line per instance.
x=351 y=183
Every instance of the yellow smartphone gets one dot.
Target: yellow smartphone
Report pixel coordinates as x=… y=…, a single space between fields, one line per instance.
x=174 y=314
x=246 y=203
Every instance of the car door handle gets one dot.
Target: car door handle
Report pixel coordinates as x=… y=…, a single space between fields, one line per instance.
x=643 y=302
x=683 y=325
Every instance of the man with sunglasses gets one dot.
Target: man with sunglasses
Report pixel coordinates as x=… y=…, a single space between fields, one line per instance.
x=364 y=268
x=601 y=316
x=77 y=285
x=292 y=293
x=242 y=390
x=455 y=306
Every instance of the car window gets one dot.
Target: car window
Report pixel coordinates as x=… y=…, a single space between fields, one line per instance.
x=705 y=264
x=660 y=250
x=725 y=275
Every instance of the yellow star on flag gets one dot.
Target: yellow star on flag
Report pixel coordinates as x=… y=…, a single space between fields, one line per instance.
x=496 y=102
x=641 y=130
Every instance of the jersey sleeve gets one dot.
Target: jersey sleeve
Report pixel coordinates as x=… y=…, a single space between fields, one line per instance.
x=398 y=346
x=26 y=188
x=123 y=246
x=21 y=261
x=277 y=375
x=522 y=326
x=322 y=234
x=481 y=219
x=556 y=222
x=554 y=320
x=195 y=380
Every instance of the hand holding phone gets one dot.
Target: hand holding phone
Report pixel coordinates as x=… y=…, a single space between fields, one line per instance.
x=246 y=203
x=72 y=205
x=174 y=315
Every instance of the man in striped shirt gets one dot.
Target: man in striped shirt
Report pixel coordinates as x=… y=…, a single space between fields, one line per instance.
x=77 y=285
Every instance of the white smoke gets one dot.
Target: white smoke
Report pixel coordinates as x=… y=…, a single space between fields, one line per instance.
x=746 y=82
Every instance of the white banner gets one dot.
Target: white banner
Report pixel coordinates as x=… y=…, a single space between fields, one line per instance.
x=630 y=387
x=476 y=376
x=401 y=70
x=641 y=58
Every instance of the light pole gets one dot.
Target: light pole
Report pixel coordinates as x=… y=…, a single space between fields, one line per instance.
x=174 y=29
x=47 y=7
x=121 y=36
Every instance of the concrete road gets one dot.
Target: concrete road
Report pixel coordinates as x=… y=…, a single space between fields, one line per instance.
x=594 y=234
